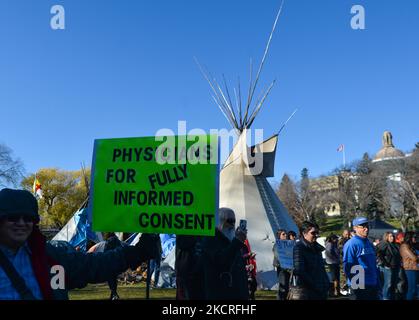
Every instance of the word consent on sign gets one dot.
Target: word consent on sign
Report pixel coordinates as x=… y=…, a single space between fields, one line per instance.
x=147 y=185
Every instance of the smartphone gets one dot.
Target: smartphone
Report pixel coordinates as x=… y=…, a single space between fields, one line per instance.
x=243 y=224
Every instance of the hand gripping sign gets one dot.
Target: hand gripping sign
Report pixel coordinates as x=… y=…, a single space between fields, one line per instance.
x=151 y=186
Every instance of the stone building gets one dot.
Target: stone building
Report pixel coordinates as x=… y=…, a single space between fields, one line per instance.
x=388 y=155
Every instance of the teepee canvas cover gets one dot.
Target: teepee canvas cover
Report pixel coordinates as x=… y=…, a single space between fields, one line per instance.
x=78 y=231
x=243 y=180
x=252 y=198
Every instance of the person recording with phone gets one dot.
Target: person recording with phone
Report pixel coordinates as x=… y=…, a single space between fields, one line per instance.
x=250 y=260
x=225 y=275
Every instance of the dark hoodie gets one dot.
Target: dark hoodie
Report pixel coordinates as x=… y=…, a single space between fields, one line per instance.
x=224 y=268
x=309 y=269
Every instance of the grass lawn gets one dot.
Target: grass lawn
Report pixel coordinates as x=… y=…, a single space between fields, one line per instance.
x=137 y=291
x=394 y=222
x=335 y=225
x=332 y=225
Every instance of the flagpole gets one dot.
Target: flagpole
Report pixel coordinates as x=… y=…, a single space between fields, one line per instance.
x=34 y=188
x=344 y=158
x=148 y=281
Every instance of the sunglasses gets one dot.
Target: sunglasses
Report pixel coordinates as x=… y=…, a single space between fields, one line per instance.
x=314 y=233
x=16 y=218
x=364 y=226
x=231 y=221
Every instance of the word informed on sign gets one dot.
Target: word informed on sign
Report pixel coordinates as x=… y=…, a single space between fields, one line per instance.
x=146 y=185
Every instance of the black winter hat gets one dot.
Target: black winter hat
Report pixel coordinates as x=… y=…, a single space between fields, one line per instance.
x=18 y=202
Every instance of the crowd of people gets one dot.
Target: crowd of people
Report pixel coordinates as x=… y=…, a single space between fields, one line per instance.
x=222 y=267
x=386 y=269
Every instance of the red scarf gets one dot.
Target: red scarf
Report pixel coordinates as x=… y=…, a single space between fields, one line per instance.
x=41 y=263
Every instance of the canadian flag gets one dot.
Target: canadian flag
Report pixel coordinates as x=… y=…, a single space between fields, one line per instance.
x=341 y=148
x=36 y=189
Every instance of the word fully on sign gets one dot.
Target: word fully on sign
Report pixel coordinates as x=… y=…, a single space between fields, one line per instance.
x=146 y=185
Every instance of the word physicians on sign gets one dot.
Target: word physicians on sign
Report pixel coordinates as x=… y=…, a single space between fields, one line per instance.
x=147 y=185
x=285 y=253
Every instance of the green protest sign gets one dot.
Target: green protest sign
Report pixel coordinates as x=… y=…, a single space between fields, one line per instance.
x=155 y=185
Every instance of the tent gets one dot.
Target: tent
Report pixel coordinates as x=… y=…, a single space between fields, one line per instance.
x=243 y=179
x=253 y=199
x=167 y=277
x=378 y=227
x=78 y=231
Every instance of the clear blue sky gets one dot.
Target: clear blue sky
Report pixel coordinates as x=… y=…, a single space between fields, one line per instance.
x=126 y=68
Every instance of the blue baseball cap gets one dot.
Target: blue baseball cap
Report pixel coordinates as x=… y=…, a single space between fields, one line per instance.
x=359 y=220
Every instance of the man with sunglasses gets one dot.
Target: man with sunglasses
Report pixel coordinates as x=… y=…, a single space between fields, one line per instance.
x=224 y=267
x=359 y=260
x=27 y=261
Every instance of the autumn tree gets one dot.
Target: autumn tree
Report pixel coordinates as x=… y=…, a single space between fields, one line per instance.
x=63 y=192
x=10 y=168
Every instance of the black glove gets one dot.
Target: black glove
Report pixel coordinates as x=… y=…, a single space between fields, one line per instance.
x=147 y=248
x=148 y=245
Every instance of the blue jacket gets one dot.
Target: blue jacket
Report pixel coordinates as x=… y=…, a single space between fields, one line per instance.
x=81 y=268
x=360 y=251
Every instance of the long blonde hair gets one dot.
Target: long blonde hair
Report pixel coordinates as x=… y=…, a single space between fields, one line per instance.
x=386 y=236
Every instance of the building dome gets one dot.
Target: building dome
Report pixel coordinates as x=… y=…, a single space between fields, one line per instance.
x=388 y=151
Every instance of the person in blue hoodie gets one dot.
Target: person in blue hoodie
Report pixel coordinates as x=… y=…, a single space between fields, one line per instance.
x=359 y=252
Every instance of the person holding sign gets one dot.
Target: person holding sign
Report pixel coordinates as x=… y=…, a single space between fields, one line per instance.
x=32 y=269
x=189 y=267
x=112 y=242
x=283 y=274
x=224 y=266
x=284 y=253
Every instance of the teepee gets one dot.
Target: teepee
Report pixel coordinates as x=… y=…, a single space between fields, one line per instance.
x=243 y=179
x=78 y=230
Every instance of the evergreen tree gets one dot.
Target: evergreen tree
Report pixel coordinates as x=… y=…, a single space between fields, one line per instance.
x=305 y=182
x=364 y=166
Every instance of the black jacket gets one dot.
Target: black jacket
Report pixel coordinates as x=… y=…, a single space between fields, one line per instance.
x=309 y=268
x=224 y=269
x=189 y=268
x=388 y=255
